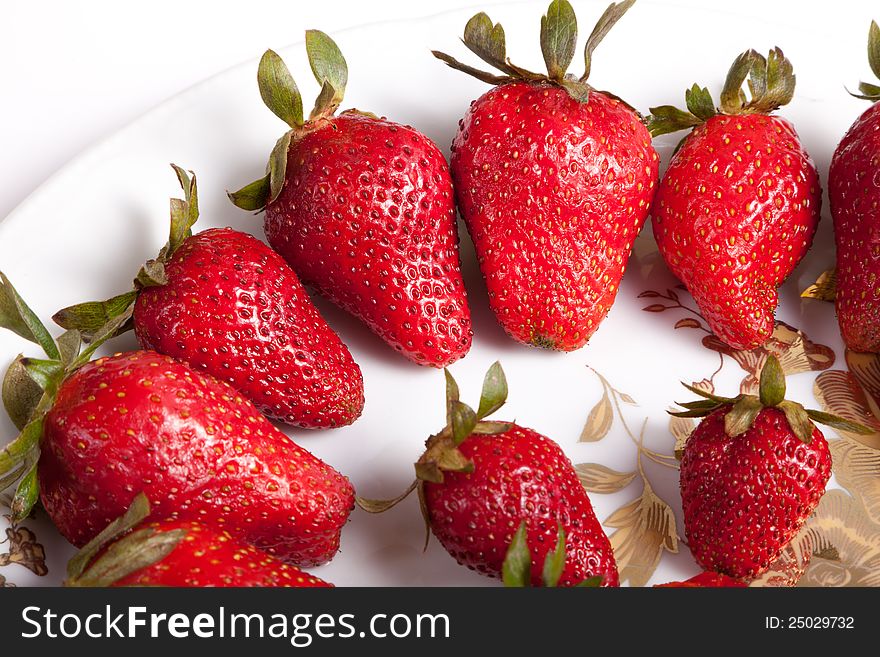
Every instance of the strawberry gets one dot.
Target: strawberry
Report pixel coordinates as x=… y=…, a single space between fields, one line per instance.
x=362 y=209
x=479 y=480
x=102 y=431
x=854 y=192
x=738 y=206
x=554 y=181
x=135 y=552
x=752 y=472
x=706 y=579
x=228 y=305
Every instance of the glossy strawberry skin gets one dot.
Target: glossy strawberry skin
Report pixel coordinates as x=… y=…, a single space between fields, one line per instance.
x=734 y=214
x=210 y=558
x=554 y=192
x=234 y=309
x=518 y=475
x=706 y=579
x=745 y=498
x=143 y=422
x=366 y=216
x=854 y=193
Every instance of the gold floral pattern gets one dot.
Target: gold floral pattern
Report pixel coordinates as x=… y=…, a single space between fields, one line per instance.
x=23 y=549
x=847 y=544
x=644 y=527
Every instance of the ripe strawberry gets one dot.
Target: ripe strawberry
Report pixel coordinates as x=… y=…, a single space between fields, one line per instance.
x=135 y=552
x=362 y=209
x=479 y=480
x=227 y=304
x=752 y=472
x=854 y=192
x=554 y=181
x=145 y=422
x=738 y=206
x=706 y=579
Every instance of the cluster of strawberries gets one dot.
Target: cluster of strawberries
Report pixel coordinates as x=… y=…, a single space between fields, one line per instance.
x=163 y=463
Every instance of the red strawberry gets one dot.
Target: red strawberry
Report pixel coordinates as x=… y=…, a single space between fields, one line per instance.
x=227 y=304
x=362 y=209
x=145 y=422
x=479 y=480
x=177 y=553
x=752 y=472
x=738 y=206
x=854 y=192
x=554 y=180
x=705 y=579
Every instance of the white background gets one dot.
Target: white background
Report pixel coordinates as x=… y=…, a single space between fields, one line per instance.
x=72 y=73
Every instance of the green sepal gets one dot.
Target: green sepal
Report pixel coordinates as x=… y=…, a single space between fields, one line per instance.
x=429 y=471
x=45 y=373
x=771 y=387
x=609 y=18
x=771 y=82
x=88 y=318
x=874 y=48
x=253 y=196
x=463 y=420
x=483 y=76
x=22 y=453
x=741 y=417
x=516 y=571
x=380 y=506
x=699 y=102
x=277 y=168
x=798 y=420
x=554 y=562
x=151 y=274
x=666 y=119
x=491 y=428
x=21 y=393
x=26 y=495
x=486 y=40
x=278 y=89
x=16 y=316
x=868 y=90
x=837 y=422
x=452 y=460
x=558 y=38
x=558 y=41
x=185 y=212
x=494 y=392
x=140 y=549
x=709 y=395
x=452 y=394
x=69 y=344
x=593 y=582
x=330 y=70
x=138 y=510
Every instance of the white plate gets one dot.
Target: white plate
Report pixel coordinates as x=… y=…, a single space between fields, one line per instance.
x=82 y=235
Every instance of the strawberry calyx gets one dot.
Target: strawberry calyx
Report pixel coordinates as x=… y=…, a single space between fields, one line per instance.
x=516 y=571
x=97 y=565
x=770 y=80
x=771 y=394
x=282 y=96
x=90 y=317
x=558 y=41
x=868 y=90
x=442 y=453
x=30 y=386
